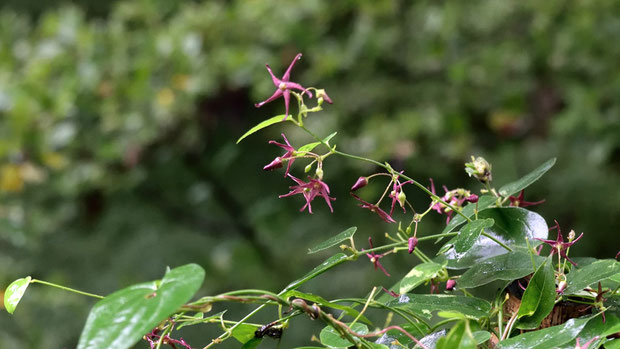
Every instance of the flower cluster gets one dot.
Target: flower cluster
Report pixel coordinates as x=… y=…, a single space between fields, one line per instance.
x=456 y=198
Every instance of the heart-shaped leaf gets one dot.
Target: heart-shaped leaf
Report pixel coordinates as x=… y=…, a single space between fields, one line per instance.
x=14 y=293
x=509 y=266
x=512 y=225
x=470 y=233
x=265 y=123
x=527 y=180
x=334 y=240
x=580 y=278
x=425 y=304
x=244 y=332
x=539 y=297
x=122 y=318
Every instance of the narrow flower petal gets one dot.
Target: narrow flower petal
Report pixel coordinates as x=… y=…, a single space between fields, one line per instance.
x=275 y=80
x=275 y=95
x=287 y=75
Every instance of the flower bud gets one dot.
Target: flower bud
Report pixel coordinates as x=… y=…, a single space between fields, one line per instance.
x=308 y=168
x=561 y=287
x=472 y=198
x=276 y=163
x=413 y=241
x=361 y=182
x=571 y=235
x=401 y=198
x=450 y=285
x=479 y=168
x=319 y=172
x=320 y=94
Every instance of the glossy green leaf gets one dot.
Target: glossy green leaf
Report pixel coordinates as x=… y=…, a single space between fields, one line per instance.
x=460 y=336
x=484 y=202
x=612 y=344
x=334 y=240
x=14 y=293
x=244 y=332
x=539 y=297
x=122 y=318
x=509 y=266
x=265 y=123
x=527 y=180
x=512 y=225
x=596 y=327
x=425 y=304
x=310 y=146
x=430 y=341
x=395 y=335
x=330 y=337
x=252 y=343
x=580 y=278
x=470 y=233
x=481 y=336
x=323 y=267
x=550 y=337
x=325 y=303
x=418 y=275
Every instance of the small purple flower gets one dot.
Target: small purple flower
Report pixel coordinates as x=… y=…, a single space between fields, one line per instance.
x=360 y=183
x=397 y=194
x=517 y=201
x=284 y=86
x=288 y=156
x=374 y=208
x=456 y=197
x=450 y=284
x=374 y=258
x=558 y=245
x=412 y=242
x=310 y=190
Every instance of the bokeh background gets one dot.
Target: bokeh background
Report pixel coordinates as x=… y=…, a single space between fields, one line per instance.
x=118 y=123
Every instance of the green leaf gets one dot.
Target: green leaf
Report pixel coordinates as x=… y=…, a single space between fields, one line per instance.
x=252 y=343
x=539 y=297
x=550 y=337
x=425 y=304
x=14 y=293
x=509 y=266
x=460 y=336
x=330 y=337
x=527 y=180
x=580 y=278
x=122 y=318
x=430 y=341
x=418 y=275
x=244 y=332
x=512 y=225
x=470 y=233
x=612 y=344
x=274 y=120
x=325 y=303
x=596 y=327
x=484 y=202
x=323 y=267
x=395 y=335
x=481 y=336
x=310 y=146
x=333 y=241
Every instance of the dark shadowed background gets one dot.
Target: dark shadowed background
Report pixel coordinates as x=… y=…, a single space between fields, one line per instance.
x=118 y=123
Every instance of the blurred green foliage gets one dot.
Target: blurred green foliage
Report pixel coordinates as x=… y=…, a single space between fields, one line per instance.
x=117 y=133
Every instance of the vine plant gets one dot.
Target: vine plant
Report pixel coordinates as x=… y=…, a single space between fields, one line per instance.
x=545 y=301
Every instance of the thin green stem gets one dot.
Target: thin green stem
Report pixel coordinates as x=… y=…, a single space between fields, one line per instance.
x=66 y=288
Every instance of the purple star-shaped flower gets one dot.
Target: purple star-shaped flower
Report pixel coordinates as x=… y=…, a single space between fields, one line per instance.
x=518 y=201
x=374 y=208
x=310 y=190
x=374 y=258
x=284 y=86
x=288 y=156
x=558 y=245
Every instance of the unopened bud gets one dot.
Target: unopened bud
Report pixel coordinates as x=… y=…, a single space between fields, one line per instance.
x=319 y=172
x=408 y=230
x=276 y=163
x=480 y=169
x=571 y=235
x=322 y=95
x=401 y=198
x=472 y=198
x=360 y=183
x=413 y=241
x=561 y=286
x=450 y=285
x=308 y=168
